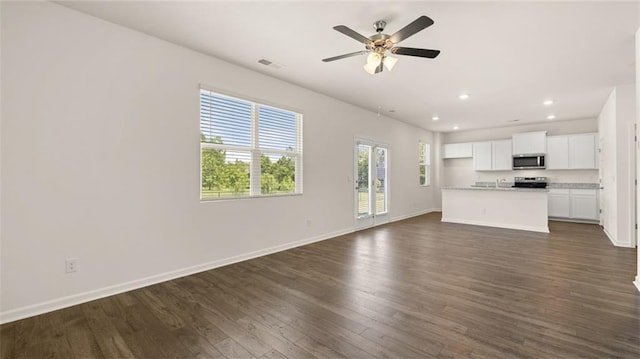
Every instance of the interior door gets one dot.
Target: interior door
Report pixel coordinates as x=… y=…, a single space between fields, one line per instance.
x=371 y=193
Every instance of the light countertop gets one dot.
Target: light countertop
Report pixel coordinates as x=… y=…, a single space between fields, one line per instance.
x=551 y=184
x=482 y=188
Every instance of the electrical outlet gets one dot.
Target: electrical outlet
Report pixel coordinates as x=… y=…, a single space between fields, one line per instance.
x=71 y=265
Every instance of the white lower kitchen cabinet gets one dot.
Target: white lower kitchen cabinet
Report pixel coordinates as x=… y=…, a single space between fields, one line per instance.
x=584 y=204
x=559 y=203
x=578 y=204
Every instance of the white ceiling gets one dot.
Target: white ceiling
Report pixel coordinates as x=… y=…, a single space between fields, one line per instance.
x=510 y=56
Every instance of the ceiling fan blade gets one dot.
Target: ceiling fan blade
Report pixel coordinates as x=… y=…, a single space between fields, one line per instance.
x=379 y=68
x=345 y=56
x=352 y=34
x=418 y=24
x=410 y=51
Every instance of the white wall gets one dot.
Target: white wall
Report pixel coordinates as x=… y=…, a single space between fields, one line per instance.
x=100 y=161
x=637 y=150
x=626 y=115
x=459 y=172
x=1 y=81
x=609 y=193
x=616 y=142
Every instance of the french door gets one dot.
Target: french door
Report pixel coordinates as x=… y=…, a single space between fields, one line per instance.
x=371 y=193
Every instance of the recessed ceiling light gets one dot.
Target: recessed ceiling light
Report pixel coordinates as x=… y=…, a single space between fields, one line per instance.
x=435 y=118
x=455 y=127
x=551 y=117
x=464 y=96
x=548 y=102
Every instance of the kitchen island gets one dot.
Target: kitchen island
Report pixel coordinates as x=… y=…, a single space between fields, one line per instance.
x=503 y=207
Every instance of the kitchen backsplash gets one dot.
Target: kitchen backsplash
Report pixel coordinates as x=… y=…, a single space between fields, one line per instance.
x=561 y=176
x=459 y=172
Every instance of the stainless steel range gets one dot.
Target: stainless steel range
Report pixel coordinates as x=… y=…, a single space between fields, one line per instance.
x=530 y=182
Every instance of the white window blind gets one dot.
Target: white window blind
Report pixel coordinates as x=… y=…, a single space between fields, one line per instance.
x=225 y=120
x=247 y=148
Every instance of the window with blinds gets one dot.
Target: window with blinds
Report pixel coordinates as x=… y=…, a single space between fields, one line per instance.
x=248 y=149
x=424 y=163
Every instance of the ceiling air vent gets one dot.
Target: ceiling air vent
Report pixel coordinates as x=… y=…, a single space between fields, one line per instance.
x=269 y=63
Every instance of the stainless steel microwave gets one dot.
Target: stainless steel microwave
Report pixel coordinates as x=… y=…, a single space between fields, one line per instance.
x=528 y=162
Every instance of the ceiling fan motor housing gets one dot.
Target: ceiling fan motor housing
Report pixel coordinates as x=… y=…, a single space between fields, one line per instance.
x=380 y=41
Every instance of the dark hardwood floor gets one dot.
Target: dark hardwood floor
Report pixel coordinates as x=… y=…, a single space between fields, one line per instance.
x=417 y=288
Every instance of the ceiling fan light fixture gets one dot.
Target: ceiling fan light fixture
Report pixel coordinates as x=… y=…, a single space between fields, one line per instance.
x=371 y=69
x=374 y=59
x=389 y=62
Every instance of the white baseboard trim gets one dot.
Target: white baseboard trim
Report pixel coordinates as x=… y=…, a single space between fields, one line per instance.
x=415 y=214
x=615 y=242
x=637 y=282
x=498 y=225
x=64 y=302
x=572 y=220
x=609 y=236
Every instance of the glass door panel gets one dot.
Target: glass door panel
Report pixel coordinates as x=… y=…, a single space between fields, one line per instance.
x=381 y=180
x=363 y=196
x=371 y=183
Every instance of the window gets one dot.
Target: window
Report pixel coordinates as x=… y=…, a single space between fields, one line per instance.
x=424 y=162
x=248 y=149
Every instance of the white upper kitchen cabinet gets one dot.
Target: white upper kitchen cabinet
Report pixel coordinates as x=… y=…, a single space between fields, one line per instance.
x=482 y=156
x=572 y=152
x=582 y=151
x=501 y=157
x=457 y=150
x=557 y=157
x=529 y=143
x=492 y=156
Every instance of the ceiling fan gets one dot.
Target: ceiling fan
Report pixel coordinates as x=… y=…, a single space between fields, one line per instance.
x=380 y=46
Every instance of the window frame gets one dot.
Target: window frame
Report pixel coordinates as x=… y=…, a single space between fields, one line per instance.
x=255 y=190
x=424 y=152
